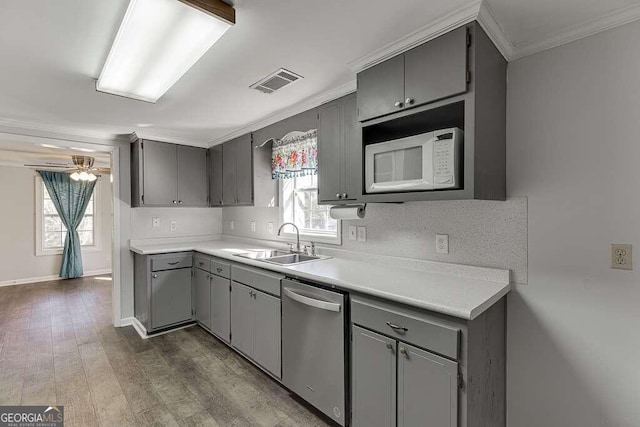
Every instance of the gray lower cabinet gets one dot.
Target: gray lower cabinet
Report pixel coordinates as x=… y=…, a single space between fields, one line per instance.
x=339 y=152
x=203 y=301
x=255 y=326
x=220 y=307
x=427 y=388
x=163 y=290
x=373 y=379
x=164 y=174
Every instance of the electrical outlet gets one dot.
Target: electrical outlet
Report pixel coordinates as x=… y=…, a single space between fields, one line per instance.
x=442 y=243
x=174 y=225
x=621 y=258
x=270 y=228
x=253 y=226
x=155 y=222
x=231 y=225
x=353 y=232
x=362 y=234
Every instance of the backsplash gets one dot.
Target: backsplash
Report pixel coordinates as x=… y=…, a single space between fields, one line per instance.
x=483 y=233
x=189 y=222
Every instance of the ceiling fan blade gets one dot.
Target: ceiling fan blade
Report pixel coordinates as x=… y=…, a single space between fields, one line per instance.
x=57 y=166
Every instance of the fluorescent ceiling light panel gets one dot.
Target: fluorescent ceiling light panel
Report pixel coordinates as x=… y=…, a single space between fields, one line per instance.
x=158 y=41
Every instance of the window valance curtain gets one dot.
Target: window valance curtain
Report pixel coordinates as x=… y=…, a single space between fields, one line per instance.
x=70 y=199
x=296 y=154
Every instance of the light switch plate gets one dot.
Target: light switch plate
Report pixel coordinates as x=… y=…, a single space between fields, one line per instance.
x=231 y=225
x=253 y=226
x=174 y=225
x=270 y=228
x=353 y=232
x=621 y=256
x=362 y=234
x=442 y=243
x=155 y=222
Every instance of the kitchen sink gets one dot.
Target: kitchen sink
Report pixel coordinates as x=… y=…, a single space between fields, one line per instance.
x=291 y=259
x=262 y=255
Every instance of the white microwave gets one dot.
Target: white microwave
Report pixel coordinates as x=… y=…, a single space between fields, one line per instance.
x=428 y=161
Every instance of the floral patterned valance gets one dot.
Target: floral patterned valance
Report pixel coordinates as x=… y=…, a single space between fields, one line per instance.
x=295 y=155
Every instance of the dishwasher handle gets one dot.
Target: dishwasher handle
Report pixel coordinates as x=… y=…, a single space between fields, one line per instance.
x=312 y=302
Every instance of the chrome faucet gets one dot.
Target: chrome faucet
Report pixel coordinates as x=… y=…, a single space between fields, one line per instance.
x=297 y=234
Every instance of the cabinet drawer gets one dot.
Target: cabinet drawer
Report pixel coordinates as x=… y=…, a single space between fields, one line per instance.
x=220 y=269
x=406 y=325
x=256 y=278
x=171 y=261
x=202 y=262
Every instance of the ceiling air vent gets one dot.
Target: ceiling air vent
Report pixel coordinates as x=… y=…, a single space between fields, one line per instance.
x=275 y=81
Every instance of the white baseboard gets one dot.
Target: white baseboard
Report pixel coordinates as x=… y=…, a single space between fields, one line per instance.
x=49 y=278
x=141 y=330
x=127 y=321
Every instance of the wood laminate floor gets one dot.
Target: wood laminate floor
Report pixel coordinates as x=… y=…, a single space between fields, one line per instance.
x=57 y=345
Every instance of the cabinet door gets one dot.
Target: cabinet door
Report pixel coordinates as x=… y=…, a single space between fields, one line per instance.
x=160 y=174
x=329 y=155
x=373 y=386
x=170 y=297
x=202 y=287
x=229 y=193
x=244 y=170
x=192 y=176
x=352 y=149
x=427 y=388
x=380 y=88
x=242 y=318
x=220 y=305
x=267 y=341
x=215 y=175
x=437 y=69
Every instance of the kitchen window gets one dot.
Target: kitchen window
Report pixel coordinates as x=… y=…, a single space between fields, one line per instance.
x=299 y=205
x=51 y=232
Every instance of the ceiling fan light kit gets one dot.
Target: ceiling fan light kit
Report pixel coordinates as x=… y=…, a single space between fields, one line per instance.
x=158 y=42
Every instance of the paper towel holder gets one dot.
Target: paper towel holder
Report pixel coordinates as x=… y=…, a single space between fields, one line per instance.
x=356 y=211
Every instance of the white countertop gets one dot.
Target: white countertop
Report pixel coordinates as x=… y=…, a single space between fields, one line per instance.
x=460 y=297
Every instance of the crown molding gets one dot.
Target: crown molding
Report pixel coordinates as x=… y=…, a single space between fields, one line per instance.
x=435 y=28
x=494 y=31
x=584 y=29
x=300 y=107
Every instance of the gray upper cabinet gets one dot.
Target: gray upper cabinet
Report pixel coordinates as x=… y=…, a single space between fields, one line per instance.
x=164 y=174
x=237 y=172
x=435 y=70
x=381 y=89
x=192 y=176
x=373 y=379
x=339 y=152
x=215 y=175
x=427 y=388
x=202 y=289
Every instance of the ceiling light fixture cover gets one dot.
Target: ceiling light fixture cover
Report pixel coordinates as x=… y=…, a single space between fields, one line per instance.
x=157 y=43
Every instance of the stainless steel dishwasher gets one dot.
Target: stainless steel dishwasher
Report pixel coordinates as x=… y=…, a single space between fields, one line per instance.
x=314 y=359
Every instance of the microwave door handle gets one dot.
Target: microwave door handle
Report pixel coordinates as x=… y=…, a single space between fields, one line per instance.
x=312 y=302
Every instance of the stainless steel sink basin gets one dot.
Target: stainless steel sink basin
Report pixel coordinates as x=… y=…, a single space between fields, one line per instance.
x=292 y=259
x=262 y=255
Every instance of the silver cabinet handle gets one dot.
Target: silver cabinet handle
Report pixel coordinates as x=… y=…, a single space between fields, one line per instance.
x=337 y=195
x=250 y=293
x=180 y=201
x=344 y=195
x=409 y=101
x=219 y=270
x=174 y=263
x=200 y=263
x=312 y=302
x=398 y=104
x=155 y=276
x=397 y=328
x=389 y=346
x=403 y=351
x=175 y=202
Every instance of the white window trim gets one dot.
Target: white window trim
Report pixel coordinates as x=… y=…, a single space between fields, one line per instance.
x=97 y=241
x=288 y=234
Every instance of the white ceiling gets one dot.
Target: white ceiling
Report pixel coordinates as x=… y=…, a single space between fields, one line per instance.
x=52 y=52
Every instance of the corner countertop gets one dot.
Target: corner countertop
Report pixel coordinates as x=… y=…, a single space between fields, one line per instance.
x=461 y=297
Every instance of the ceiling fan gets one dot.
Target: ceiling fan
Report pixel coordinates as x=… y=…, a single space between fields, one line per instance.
x=81 y=170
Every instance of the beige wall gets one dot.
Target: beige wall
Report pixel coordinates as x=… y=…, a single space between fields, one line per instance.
x=18 y=237
x=573 y=151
